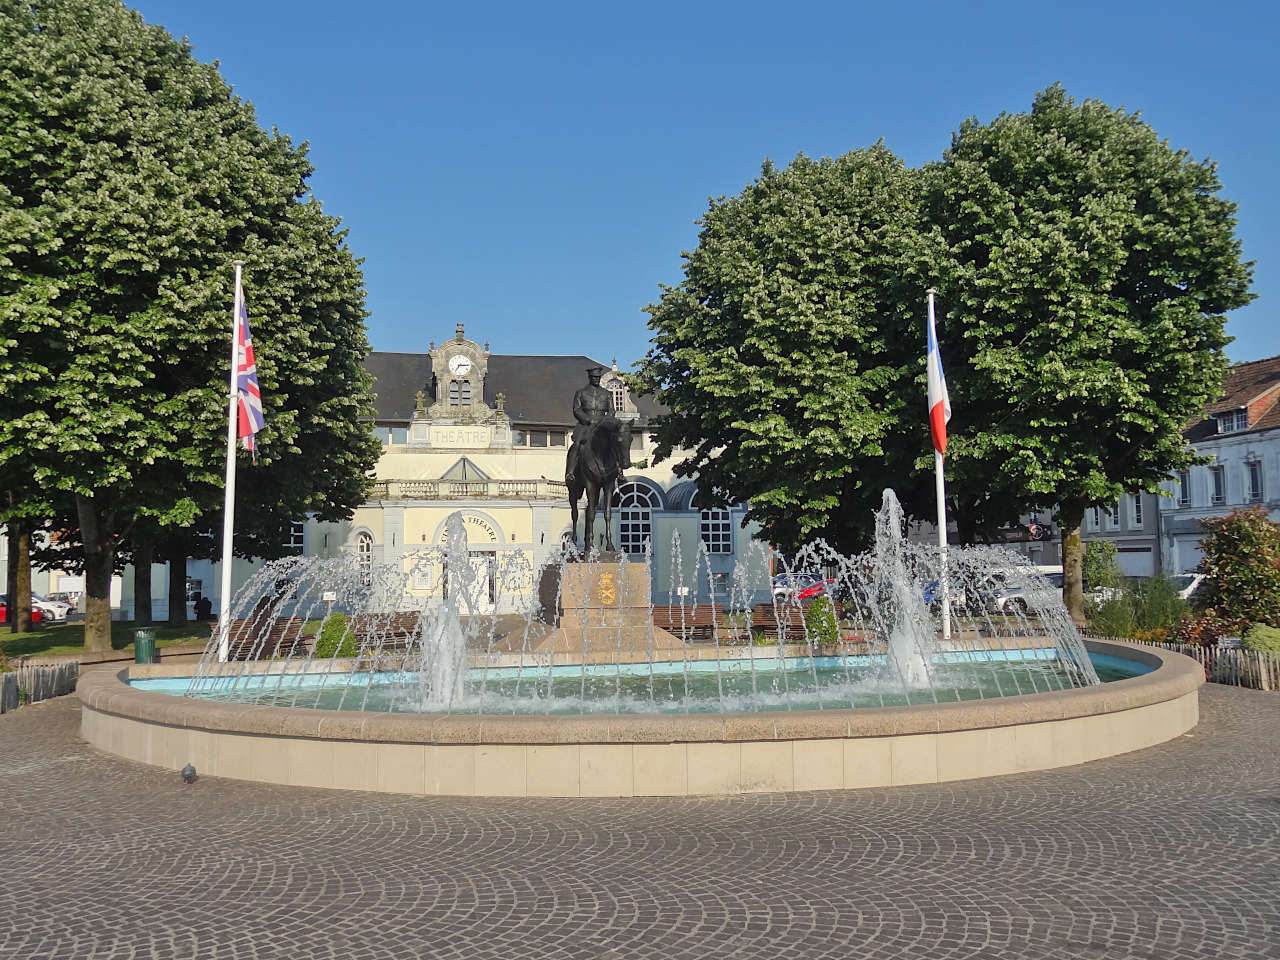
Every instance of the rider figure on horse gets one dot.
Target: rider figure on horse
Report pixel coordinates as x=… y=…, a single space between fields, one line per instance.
x=591 y=404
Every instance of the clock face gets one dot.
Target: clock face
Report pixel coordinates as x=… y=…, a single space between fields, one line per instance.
x=459 y=365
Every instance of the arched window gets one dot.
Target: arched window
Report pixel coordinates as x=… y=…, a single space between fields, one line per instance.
x=364 y=557
x=635 y=503
x=466 y=392
x=453 y=393
x=615 y=386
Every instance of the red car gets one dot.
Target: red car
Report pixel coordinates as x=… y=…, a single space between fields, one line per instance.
x=817 y=590
x=36 y=615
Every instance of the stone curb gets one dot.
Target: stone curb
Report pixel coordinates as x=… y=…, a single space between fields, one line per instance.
x=1174 y=676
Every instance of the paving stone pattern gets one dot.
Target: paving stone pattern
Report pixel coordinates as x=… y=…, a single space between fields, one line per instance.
x=1164 y=854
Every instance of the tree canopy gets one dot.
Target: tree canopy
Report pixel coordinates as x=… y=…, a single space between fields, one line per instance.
x=783 y=352
x=1084 y=268
x=1088 y=268
x=130 y=178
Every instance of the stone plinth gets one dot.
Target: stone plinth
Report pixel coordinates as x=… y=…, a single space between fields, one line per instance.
x=604 y=595
x=605 y=607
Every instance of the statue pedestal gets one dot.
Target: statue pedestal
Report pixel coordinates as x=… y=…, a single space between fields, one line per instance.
x=606 y=609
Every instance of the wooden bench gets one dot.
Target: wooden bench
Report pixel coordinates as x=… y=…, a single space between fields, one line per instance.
x=283 y=638
x=765 y=621
x=396 y=629
x=701 y=622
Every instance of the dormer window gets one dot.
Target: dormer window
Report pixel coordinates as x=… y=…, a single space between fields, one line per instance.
x=1233 y=421
x=617 y=389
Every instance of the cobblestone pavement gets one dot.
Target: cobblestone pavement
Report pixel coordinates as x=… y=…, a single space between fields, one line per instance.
x=1167 y=853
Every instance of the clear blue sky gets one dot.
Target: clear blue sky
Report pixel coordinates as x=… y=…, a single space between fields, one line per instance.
x=534 y=170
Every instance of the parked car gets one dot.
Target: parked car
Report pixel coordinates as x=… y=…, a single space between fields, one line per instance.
x=788 y=584
x=54 y=610
x=36 y=615
x=819 y=589
x=1013 y=597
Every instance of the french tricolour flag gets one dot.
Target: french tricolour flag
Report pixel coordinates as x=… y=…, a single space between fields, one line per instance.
x=939 y=402
x=249 y=397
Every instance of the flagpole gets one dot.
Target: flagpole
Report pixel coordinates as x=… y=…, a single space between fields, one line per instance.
x=940 y=485
x=229 y=503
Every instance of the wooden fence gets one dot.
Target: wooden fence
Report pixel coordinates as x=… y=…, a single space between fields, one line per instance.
x=1233 y=666
x=31 y=684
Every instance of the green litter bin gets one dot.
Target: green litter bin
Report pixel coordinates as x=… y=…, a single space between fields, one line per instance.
x=144 y=647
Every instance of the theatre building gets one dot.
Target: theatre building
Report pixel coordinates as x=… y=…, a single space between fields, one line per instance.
x=486 y=434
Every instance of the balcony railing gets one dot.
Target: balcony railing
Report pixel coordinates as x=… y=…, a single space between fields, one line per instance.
x=469 y=490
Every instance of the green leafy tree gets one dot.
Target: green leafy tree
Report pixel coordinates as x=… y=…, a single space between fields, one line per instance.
x=1242 y=562
x=1100 y=567
x=791 y=354
x=130 y=177
x=1088 y=268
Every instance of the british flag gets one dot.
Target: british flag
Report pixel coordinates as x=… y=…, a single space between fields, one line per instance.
x=249 y=398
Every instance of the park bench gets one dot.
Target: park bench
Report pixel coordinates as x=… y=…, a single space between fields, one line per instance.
x=694 y=622
x=789 y=628
x=260 y=638
x=393 y=629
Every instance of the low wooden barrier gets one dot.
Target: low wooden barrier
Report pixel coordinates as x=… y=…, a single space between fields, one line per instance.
x=31 y=683
x=1232 y=666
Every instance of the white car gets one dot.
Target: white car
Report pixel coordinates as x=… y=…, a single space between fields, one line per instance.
x=53 y=610
x=1014 y=599
x=1188 y=583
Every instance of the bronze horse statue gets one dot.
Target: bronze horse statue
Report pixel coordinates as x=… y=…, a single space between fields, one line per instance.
x=601 y=457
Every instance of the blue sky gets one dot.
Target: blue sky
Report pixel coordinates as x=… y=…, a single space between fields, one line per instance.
x=534 y=170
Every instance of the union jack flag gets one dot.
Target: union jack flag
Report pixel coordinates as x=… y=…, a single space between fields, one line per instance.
x=249 y=398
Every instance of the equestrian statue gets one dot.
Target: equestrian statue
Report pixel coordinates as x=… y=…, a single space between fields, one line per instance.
x=601 y=450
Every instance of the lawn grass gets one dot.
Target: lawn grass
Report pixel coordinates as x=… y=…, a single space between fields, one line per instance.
x=67 y=639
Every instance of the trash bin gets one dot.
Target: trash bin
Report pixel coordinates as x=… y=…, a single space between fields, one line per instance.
x=144 y=647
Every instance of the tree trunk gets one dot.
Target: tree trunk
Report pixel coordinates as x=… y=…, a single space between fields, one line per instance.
x=99 y=562
x=20 y=600
x=966 y=527
x=1070 y=516
x=144 y=551
x=176 y=554
x=11 y=574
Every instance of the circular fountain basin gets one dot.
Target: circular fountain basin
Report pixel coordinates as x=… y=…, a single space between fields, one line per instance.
x=644 y=754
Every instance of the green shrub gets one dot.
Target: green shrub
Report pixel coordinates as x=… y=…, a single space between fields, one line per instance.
x=1262 y=638
x=1100 y=567
x=820 y=624
x=336 y=638
x=1113 y=617
x=1208 y=628
x=1242 y=560
x=1156 y=604
x=1147 y=606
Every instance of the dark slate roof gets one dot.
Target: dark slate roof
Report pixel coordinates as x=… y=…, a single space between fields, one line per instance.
x=1246 y=384
x=539 y=389
x=397 y=377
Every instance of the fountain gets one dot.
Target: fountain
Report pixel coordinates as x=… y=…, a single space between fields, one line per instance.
x=445 y=657
x=853 y=682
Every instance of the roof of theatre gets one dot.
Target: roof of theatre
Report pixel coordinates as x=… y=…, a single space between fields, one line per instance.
x=537 y=389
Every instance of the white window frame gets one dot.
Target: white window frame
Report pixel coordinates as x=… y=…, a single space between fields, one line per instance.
x=1184 y=488
x=1111 y=516
x=1217 y=485
x=297 y=538
x=1233 y=421
x=1135 y=511
x=715 y=527
x=1095 y=518
x=1254 y=493
x=364 y=557
x=634 y=503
